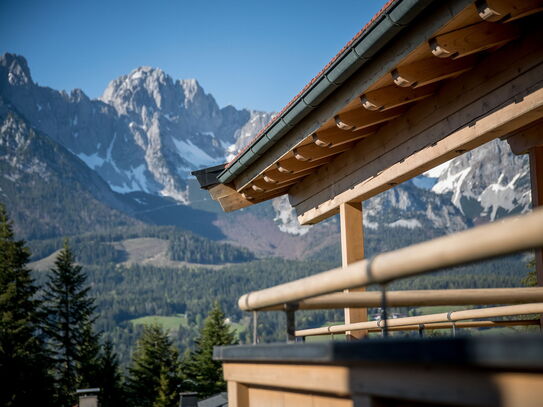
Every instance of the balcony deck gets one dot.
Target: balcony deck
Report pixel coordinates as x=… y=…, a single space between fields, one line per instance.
x=462 y=371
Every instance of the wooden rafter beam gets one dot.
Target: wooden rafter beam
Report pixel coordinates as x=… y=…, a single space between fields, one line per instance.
x=292 y=165
x=260 y=185
x=254 y=196
x=507 y=10
x=472 y=39
x=362 y=118
x=393 y=96
x=274 y=176
x=430 y=70
x=333 y=137
x=312 y=152
x=526 y=139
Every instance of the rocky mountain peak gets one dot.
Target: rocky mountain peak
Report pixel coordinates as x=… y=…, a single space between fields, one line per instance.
x=144 y=86
x=15 y=69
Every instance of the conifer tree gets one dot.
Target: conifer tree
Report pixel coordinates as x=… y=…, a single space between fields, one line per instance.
x=203 y=374
x=110 y=383
x=69 y=326
x=154 y=374
x=24 y=379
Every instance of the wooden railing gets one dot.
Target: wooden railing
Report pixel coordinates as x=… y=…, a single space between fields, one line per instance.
x=320 y=291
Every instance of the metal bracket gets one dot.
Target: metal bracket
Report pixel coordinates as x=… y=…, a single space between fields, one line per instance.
x=290 y=309
x=384 y=315
x=453 y=323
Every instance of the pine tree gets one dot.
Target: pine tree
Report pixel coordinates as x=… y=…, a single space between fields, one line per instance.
x=69 y=326
x=202 y=373
x=110 y=383
x=168 y=389
x=24 y=379
x=154 y=370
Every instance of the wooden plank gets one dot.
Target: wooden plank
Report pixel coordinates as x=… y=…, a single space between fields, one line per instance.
x=312 y=152
x=320 y=379
x=526 y=139
x=536 y=175
x=394 y=96
x=454 y=107
x=472 y=39
x=352 y=250
x=431 y=70
x=220 y=191
x=273 y=397
x=449 y=386
x=234 y=202
x=507 y=10
x=283 y=384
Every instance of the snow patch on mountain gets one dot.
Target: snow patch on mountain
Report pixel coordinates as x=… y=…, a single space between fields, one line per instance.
x=487 y=182
x=406 y=223
x=285 y=217
x=501 y=195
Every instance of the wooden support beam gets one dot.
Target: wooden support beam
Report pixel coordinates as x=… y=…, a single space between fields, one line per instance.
x=352 y=250
x=430 y=70
x=472 y=39
x=260 y=185
x=254 y=195
x=536 y=174
x=312 y=152
x=458 y=118
x=234 y=201
x=394 y=96
x=525 y=140
x=507 y=10
x=292 y=165
x=333 y=137
x=274 y=176
x=363 y=118
x=220 y=191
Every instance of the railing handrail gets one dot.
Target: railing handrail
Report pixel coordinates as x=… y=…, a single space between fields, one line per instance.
x=511 y=235
x=508 y=310
x=403 y=298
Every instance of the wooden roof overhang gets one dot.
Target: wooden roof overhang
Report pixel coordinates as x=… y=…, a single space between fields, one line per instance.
x=461 y=74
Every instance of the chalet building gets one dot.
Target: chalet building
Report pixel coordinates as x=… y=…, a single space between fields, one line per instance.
x=423 y=82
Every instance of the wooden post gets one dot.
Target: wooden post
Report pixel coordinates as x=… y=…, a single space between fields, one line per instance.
x=536 y=174
x=352 y=250
x=238 y=394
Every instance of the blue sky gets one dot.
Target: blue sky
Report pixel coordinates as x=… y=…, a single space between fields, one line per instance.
x=250 y=54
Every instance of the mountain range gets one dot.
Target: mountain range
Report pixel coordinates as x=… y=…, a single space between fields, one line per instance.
x=70 y=164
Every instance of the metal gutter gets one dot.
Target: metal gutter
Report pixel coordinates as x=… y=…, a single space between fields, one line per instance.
x=395 y=16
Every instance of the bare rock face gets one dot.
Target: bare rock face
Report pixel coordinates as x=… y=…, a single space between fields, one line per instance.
x=146 y=133
x=487 y=183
